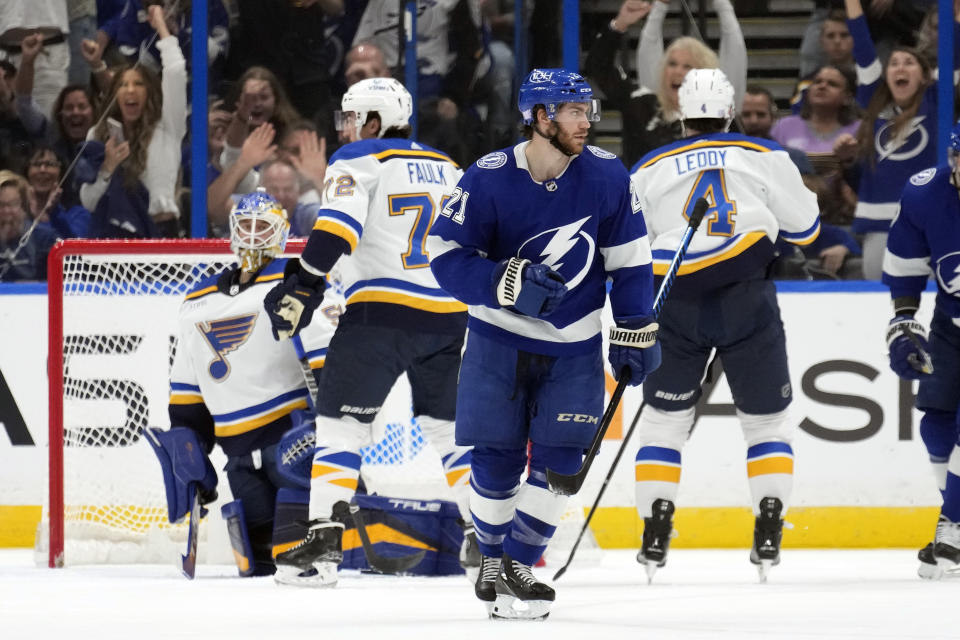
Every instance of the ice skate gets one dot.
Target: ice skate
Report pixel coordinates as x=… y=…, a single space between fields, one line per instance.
x=470 y=553
x=519 y=595
x=767 y=532
x=313 y=562
x=657 y=531
x=928 y=569
x=484 y=585
x=946 y=546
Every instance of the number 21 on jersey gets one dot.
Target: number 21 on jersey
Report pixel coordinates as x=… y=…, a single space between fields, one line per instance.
x=711 y=185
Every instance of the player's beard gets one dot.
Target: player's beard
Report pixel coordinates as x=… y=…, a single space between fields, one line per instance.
x=564 y=141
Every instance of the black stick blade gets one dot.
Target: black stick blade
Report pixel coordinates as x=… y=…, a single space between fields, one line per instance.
x=696 y=217
x=565 y=485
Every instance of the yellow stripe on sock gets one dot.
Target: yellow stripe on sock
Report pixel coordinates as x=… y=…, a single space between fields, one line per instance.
x=657 y=473
x=769 y=465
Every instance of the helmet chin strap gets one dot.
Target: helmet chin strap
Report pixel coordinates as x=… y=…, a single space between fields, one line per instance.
x=554 y=141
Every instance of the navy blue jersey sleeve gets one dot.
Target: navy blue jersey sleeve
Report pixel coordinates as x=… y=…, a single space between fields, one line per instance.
x=461 y=239
x=869 y=69
x=906 y=264
x=625 y=249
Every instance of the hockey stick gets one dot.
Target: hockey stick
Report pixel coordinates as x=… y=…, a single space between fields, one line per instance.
x=568 y=485
x=377 y=562
x=188 y=562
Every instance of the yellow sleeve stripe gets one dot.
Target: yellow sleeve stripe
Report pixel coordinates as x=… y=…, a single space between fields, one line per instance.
x=201 y=292
x=807 y=240
x=748 y=240
x=657 y=473
x=769 y=465
x=270 y=277
x=338 y=229
x=186 y=398
x=705 y=144
x=418 y=153
x=434 y=306
x=236 y=428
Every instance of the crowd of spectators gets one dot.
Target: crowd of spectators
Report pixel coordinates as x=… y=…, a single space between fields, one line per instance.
x=94 y=104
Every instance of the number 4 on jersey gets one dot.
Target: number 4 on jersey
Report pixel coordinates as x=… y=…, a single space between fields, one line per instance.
x=711 y=186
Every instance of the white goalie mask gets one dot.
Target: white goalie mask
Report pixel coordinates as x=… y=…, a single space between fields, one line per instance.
x=258 y=230
x=706 y=93
x=386 y=96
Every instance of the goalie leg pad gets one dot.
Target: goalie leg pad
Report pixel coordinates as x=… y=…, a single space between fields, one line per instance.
x=232 y=513
x=295 y=454
x=184 y=461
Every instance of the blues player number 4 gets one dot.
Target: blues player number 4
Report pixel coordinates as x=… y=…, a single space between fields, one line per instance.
x=421 y=206
x=711 y=185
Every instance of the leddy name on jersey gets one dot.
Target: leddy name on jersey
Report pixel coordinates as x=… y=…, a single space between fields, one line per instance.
x=696 y=160
x=426 y=173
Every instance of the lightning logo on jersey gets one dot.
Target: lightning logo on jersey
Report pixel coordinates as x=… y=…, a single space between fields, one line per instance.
x=225 y=336
x=566 y=245
x=949 y=267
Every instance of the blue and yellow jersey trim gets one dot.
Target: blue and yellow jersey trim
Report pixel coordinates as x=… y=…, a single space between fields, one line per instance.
x=244 y=420
x=182 y=393
x=199 y=293
x=412 y=154
x=694 y=262
x=391 y=291
x=706 y=144
x=802 y=237
x=316 y=358
x=341 y=225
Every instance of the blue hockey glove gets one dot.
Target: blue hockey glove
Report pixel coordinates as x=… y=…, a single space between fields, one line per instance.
x=909 y=351
x=633 y=344
x=290 y=304
x=532 y=289
x=184 y=462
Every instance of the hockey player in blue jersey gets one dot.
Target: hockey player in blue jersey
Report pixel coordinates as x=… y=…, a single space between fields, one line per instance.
x=925 y=237
x=219 y=393
x=721 y=302
x=381 y=194
x=528 y=239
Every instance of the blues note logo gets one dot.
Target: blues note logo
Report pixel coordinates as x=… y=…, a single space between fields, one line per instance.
x=225 y=336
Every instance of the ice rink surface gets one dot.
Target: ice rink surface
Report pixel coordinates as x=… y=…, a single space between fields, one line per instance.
x=699 y=594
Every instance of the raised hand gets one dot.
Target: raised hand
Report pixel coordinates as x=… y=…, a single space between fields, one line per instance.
x=114 y=154
x=258 y=147
x=630 y=12
x=31 y=46
x=311 y=161
x=91 y=52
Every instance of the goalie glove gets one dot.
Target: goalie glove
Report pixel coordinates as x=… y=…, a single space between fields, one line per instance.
x=909 y=351
x=184 y=462
x=532 y=289
x=633 y=344
x=290 y=304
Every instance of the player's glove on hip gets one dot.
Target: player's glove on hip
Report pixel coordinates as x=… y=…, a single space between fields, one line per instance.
x=633 y=344
x=532 y=289
x=907 y=356
x=290 y=304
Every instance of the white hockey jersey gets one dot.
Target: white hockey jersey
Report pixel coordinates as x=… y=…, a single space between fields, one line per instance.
x=754 y=193
x=231 y=381
x=380 y=199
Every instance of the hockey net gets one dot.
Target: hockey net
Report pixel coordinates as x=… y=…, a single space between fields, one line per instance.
x=113 y=309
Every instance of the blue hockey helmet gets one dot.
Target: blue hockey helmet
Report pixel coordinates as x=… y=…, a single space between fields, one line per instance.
x=258 y=229
x=553 y=87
